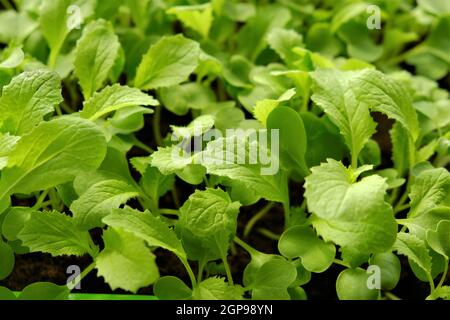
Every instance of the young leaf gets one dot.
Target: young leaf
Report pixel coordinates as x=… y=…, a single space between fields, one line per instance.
x=145 y=226
x=382 y=93
x=55 y=233
x=7 y=144
x=282 y=41
x=126 y=262
x=272 y=280
x=258 y=178
x=299 y=241
x=290 y=124
x=196 y=17
x=352 y=285
x=171 y=288
x=168 y=62
x=439 y=240
x=390 y=267
x=430 y=189
x=6 y=260
x=44 y=291
x=208 y=219
x=99 y=200
x=333 y=93
x=53 y=153
x=415 y=249
x=54 y=25
x=113 y=98
x=216 y=289
x=350 y=213
x=96 y=52
x=27 y=99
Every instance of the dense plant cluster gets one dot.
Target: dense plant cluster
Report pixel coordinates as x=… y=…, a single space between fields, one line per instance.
x=114 y=121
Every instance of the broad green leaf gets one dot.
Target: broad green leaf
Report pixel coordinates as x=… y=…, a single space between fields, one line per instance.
x=7 y=144
x=96 y=52
x=443 y=293
x=390 y=269
x=178 y=99
x=197 y=127
x=264 y=107
x=230 y=157
x=167 y=63
x=237 y=72
x=299 y=241
x=113 y=98
x=44 y=291
x=332 y=92
x=216 y=289
x=27 y=99
x=208 y=219
x=55 y=233
x=348 y=212
x=15 y=26
x=352 y=284
x=346 y=13
x=415 y=249
x=439 y=240
x=197 y=17
x=435 y=6
x=14 y=222
x=126 y=262
x=12 y=57
x=282 y=41
x=272 y=280
x=428 y=220
x=290 y=124
x=400 y=147
x=99 y=200
x=6 y=260
x=171 y=288
x=383 y=94
x=323 y=140
x=430 y=189
x=53 y=153
x=360 y=44
x=53 y=21
x=252 y=37
x=6 y=294
x=175 y=160
x=147 y=227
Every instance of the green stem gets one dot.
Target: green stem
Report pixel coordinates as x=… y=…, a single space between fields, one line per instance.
x=252 y=251
x=172 y=212
x=227 y=270
x=401 y=208
x=201 y=267
x=444 y=274
x=40 y=200
x=258 y=216
x=189 y=271
x=82 y=276
x=157 y=126
x=341 y=263
x=269 y=234
x=391 y=296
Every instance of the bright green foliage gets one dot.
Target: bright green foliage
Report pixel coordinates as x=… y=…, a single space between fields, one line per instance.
x=157 y=137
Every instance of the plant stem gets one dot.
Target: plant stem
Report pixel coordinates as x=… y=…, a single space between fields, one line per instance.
x=40 y=200
x=401 y=208
x=227 y=270
x=258 y=216
x=341 y=263
x=189 y=271
x=269 y=234
x=81 y=276
x=444 y=274
x=157 y=126
x=391 y=296
x=252 y=251
x=172 y=212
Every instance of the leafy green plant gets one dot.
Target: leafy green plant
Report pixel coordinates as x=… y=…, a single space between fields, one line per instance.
x=116 y=119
